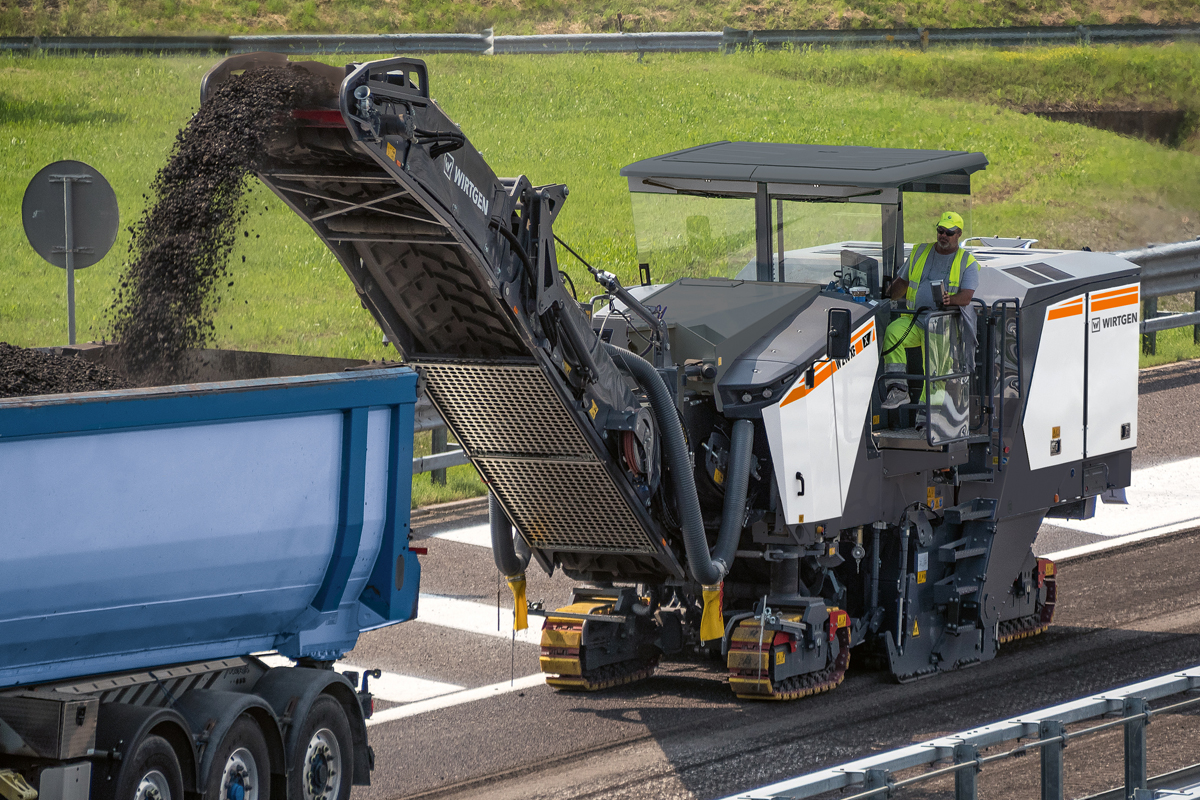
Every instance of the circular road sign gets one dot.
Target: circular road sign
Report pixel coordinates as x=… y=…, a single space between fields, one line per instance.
x=94 y=217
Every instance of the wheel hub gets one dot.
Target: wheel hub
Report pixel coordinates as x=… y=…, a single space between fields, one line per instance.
x=322 y=773
x=153 y=786
x=239 y=779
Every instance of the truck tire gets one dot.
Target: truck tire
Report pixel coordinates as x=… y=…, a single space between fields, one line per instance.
x=153 y=773
x=323 y=761
x=241 y=766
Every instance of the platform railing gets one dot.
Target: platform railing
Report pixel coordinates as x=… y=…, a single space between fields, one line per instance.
x=1044 y=732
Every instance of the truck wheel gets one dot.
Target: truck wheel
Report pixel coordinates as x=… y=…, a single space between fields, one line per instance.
x=241 y=767
x=152 y=773
x=322 y=764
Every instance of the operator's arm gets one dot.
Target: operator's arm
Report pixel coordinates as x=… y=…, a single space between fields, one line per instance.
x=898 y=288
x=960 y=298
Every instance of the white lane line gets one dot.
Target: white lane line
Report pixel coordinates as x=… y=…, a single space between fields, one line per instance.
x=472 y=617
x=478 y=535
x=396 y=688
x=456 y=699
x=1120 y=541
x=1159 y=497
x=390 y=686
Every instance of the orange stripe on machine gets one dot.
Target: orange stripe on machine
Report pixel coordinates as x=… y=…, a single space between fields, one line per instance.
x=1071 y=308
x=1120 y=290
x=1125 y=296
x=822 y=370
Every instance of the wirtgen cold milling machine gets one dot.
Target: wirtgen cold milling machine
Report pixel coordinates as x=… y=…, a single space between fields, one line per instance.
x=706 y=454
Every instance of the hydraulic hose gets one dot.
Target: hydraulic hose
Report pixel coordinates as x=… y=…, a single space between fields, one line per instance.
x=741 y=448
x=676 y=453
x=505 y=546
x=511 y=555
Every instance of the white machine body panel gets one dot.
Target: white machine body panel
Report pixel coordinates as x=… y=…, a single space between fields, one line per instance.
x=1054 y=411
x=1112 y=369
x=803 y=439
x=853 y=383
x=815 y=431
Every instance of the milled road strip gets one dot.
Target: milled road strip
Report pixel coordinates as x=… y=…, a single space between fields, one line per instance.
x=1163 y=499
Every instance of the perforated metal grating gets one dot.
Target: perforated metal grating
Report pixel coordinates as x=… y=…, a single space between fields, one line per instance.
x=504 y=410
x=563 y=505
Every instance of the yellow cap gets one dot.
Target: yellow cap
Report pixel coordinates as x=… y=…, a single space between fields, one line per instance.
x=950 y=220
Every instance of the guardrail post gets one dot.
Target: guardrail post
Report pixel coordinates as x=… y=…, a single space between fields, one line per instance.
x=438 y=476
x=1135 y=745
x=965 y=786
x=877 y=779
x=1149 y=312
x=1196 y=328
x=1052 y=759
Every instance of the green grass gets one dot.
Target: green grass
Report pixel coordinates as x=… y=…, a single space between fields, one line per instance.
x=461 y=482
x=1050 y=77
x=123 y=17
x=577 y=120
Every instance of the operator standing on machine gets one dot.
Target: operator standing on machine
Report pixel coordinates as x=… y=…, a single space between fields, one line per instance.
x=958 y=272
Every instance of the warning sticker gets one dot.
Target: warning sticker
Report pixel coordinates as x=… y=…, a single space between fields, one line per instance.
x=922 y=565
x=779 y=656
x=916 y=630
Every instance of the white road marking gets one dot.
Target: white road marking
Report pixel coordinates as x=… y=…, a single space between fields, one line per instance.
x=1161 y=499
x=1121 y=541
x=478 y=535
x=472 y=617
x=396 y=688
x=456 y=699
x=390 y=686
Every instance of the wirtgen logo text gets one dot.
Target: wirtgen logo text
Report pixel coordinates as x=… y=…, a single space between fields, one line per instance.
x=460 y=179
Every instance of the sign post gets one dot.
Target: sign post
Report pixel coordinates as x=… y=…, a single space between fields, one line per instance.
x=56 y=234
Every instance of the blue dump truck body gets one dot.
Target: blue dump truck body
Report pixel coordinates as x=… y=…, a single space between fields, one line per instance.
x=146 y=529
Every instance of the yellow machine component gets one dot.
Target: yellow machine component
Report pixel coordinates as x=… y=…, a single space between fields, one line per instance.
x=755 y=654
x=14 y=787
x=521 y=607
x=712 y=621
x=562 y=649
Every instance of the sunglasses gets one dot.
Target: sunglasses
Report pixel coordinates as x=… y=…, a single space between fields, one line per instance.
x=948 y=231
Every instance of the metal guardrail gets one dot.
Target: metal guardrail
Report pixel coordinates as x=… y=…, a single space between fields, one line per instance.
x=1166 y=269
x=487 y=43
x=426 y=418
x=961 y=755
x=979 y=37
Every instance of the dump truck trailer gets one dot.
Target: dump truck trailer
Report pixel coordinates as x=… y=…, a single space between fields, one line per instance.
x=156 y=539
x=707 y=454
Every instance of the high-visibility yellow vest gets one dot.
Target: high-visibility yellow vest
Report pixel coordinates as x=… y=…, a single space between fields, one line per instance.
x=916 y=265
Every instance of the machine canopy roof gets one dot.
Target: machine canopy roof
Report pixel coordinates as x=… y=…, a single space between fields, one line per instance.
x=728 y=164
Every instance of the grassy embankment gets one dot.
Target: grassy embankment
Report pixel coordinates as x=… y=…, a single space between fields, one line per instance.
x=178 y=17
x=578 y=120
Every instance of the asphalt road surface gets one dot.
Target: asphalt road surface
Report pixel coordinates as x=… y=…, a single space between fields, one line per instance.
x=463 y=713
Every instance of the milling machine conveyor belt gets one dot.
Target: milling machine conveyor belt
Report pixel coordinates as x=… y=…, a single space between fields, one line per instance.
x=413 y=213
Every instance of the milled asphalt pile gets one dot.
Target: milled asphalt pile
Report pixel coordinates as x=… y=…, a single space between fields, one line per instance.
x=178 y=257
x=28 y=372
